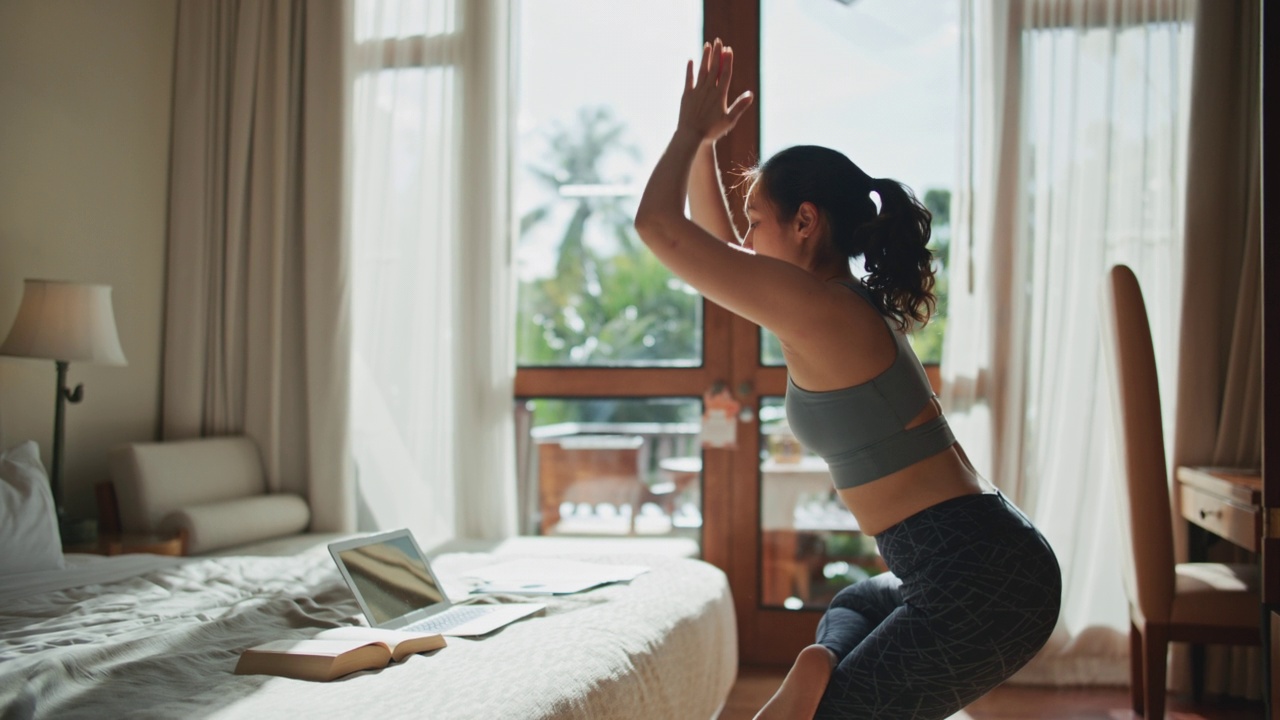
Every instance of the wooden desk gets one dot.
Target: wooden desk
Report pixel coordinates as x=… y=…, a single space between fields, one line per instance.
x=1225 y=501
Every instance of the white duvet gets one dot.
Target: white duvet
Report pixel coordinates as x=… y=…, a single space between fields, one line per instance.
x=163 y=644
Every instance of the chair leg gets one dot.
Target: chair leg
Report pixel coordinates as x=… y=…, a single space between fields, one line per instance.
x=1136 y=676
x=1198 y=655
x=1267 y=704
x=1155 y=658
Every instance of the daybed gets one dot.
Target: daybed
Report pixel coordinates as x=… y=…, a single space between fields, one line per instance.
x=147 y=636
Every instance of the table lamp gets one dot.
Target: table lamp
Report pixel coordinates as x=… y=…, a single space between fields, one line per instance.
x=65 y=322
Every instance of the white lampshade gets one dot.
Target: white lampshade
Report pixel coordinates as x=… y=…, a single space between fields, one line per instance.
x=72 y=322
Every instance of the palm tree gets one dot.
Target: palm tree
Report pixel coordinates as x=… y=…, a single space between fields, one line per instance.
x=576 y=153
x=598 y=307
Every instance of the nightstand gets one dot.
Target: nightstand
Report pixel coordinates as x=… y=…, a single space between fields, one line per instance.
x=124 y=544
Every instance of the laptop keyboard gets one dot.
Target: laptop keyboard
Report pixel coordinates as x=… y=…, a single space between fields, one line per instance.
x=451 y=618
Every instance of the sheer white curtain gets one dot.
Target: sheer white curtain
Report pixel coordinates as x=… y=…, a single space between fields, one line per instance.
x=433 y=357
x=1077 y=130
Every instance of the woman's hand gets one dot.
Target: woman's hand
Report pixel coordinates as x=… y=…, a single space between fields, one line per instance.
x=704 y=109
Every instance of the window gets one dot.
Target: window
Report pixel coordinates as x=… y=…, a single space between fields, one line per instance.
x=594 y=113
x=877 y=80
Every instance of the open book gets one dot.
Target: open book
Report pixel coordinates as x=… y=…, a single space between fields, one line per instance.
x=335 y=652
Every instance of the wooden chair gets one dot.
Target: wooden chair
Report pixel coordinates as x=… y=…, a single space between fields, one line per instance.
x=589 y=469
x=1209 y=603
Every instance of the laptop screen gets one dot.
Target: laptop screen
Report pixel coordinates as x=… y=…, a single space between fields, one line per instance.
x=390 y=577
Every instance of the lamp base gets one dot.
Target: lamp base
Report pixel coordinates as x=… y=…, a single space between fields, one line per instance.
x=78 y=532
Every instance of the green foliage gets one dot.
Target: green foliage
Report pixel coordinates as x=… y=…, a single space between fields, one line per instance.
x=927 y=341
x=550 y=411
x=938 y=202
x=609 y=302
x=635 y=313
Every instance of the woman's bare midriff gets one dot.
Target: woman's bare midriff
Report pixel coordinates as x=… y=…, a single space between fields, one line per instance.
x=883 y=503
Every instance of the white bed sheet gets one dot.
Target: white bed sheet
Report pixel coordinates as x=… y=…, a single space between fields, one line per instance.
x=80 y=570
x=163 y=643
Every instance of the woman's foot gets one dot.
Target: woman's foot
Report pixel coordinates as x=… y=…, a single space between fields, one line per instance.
x=803 y=687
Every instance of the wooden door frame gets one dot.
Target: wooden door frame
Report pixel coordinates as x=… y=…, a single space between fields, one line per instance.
x=766 y=636
x=1270 y=369
x=721 y=525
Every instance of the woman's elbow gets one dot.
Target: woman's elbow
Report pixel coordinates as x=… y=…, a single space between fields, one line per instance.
x=649 y=226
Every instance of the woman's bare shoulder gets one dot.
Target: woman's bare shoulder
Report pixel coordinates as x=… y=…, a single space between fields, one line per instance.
x=841 y=341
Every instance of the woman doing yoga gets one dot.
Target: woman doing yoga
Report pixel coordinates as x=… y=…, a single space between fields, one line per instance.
x=973 y=589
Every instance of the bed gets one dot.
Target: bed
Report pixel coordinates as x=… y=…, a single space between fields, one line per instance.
x=146 y=636
x=143 y=636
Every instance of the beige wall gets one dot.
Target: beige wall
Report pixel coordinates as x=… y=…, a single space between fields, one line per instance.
x=84 y=150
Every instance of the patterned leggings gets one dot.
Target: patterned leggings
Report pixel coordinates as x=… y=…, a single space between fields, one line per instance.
x=973 y=595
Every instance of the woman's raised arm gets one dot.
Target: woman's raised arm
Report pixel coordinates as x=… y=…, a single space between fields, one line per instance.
x=707 y=201
x=724 y=272
x=688 y=165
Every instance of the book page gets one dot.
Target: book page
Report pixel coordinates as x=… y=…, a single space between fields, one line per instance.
x=399 y=642
x=324 y=648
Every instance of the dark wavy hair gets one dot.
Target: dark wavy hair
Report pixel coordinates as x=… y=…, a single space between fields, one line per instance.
x=891 y=242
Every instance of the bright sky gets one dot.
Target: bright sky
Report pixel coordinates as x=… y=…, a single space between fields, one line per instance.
x=877 y=79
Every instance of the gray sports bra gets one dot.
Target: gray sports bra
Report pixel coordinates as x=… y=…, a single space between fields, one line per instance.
x=861 y=430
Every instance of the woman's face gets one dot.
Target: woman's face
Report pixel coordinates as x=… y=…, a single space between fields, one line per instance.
x=766 y=235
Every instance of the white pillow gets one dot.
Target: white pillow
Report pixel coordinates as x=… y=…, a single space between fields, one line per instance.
x=29 y=539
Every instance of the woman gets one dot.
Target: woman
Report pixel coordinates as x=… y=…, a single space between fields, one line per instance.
x=973 y=589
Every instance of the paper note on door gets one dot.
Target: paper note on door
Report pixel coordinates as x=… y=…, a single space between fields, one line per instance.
x=719 y=420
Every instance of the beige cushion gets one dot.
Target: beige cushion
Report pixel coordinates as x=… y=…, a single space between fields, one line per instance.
x=214 y=526
x=1216 y=594
x=154 y=479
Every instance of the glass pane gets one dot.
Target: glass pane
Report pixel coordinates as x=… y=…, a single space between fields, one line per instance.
x=894 y=112
x=810 y=544
x=385 y=19
x=617 y=467
x=595 y=111
x=770 y=349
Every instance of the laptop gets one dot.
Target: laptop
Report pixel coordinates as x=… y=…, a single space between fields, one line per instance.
x=397 y=590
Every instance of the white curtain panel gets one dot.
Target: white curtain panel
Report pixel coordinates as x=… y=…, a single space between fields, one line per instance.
x=256 y=336
x=1077 y=134
x=433 y=356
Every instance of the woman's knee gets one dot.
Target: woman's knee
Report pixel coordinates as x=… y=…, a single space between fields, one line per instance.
x=877 y=595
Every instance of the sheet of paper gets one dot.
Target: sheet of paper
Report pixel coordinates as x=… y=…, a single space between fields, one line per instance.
x=719 y=419
x=547 y=576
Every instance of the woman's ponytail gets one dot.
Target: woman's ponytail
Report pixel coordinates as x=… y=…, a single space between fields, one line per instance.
x=899 y=265
x=891 y=242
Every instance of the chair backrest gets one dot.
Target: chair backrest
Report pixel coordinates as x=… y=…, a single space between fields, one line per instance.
x=154 y=479
x=1136 y=400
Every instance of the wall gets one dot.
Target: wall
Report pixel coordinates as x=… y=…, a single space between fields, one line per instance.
x=85 y=90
